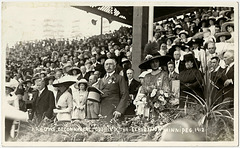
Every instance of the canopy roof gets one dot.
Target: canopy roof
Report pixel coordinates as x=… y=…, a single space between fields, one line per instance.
x=124 y=14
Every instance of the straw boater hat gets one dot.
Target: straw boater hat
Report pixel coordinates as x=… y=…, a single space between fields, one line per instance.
x=149 y=58
x=94 y=94
x=226 y=34
x=66 y=81
x=124 y=60
x=225 y=25
x=70 y=72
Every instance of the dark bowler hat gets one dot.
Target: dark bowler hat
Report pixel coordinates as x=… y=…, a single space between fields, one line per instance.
x=94 y=94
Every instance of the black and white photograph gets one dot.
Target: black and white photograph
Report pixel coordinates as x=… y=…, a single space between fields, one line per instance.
x=119 y=74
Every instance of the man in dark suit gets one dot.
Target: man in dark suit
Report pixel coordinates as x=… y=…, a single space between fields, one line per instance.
x=228 y=78
x=216 y=73
x=44 y=102
x=172 y=75
x=84 y=74
x=179 y=65
x=133 y=86
x=114 y=100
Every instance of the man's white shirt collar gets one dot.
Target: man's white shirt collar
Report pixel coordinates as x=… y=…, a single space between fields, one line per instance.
x=110 y=74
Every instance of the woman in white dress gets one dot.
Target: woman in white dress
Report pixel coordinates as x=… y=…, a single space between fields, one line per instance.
x=64 y=99
x=79 y=101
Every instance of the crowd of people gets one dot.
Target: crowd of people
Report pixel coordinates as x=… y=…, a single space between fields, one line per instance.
x=63 y=80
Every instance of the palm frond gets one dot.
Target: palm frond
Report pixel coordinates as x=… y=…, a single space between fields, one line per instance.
x=225 y=117
x=221 y=104
x=220 y=91
x=200 y=100
x=226 y=112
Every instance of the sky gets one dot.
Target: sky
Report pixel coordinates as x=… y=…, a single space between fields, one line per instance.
x=31 y=21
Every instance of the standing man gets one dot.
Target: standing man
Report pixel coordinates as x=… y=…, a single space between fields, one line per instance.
x=216 y=73
x=179 y=65
x=133 y=86
x=114 y=100
x=44 y=102
x=228 y=78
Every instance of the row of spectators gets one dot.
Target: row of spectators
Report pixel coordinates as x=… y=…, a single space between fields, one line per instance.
x=207 y=34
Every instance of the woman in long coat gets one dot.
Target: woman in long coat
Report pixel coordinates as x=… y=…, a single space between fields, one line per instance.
x=190 y=79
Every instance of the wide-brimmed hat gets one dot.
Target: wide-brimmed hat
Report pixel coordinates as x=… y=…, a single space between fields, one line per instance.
x=47 y=61
x=212 y=18
x=218 y=19
x=149 y=58
x=68 y=64
x=228 y=13
x=70 y=72
x=65 y=80
x=226 y=24
x=219 y=34
x=27 y=70
x=183 y=32
x=43 y=72
x=173 y=48
x=103 y=56
x=94 y=94
x=82 y=81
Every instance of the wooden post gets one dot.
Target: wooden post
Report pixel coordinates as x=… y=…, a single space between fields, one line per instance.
x=140 y=36
x=150 y=22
